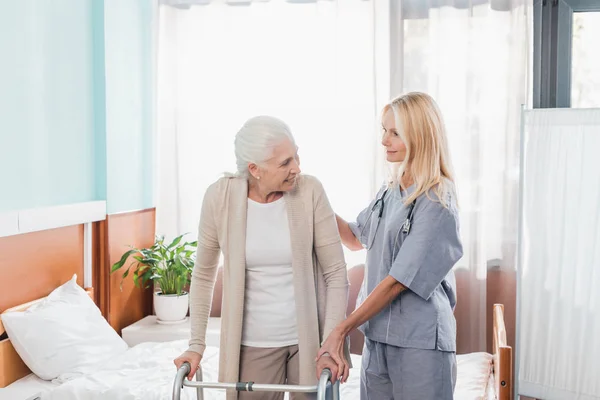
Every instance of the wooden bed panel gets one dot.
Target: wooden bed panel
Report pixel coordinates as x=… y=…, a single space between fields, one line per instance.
x=123 y=230
x=100 y=262
x=34 y=264
x=12 y=368
x=503 y=364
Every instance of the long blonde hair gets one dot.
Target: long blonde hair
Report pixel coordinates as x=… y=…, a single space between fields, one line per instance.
x=421 y=127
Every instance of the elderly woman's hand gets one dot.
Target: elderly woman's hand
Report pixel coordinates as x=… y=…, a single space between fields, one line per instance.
x=333 y=346
x=193 y=358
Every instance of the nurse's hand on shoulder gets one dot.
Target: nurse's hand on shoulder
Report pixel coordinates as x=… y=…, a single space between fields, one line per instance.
x=193 y=358
x=333 y=346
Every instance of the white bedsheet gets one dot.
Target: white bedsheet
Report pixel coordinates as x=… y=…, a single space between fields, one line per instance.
x=145 y=371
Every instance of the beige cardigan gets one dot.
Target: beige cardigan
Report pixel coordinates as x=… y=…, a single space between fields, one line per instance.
x=319 y=270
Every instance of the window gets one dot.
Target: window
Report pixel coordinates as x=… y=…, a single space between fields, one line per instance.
x=585 y=64
x=566 y=56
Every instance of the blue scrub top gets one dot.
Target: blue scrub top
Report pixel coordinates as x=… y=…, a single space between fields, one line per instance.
x=421 y=317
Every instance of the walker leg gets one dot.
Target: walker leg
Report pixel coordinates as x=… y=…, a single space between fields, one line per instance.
x=199 y=390
x=335 y=389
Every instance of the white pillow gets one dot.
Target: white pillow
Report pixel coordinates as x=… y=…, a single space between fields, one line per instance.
x=63 y=336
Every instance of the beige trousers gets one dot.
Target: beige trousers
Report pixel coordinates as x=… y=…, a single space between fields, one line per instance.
x=273 y=365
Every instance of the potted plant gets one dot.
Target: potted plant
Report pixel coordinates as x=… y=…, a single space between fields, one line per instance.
x=169 y=267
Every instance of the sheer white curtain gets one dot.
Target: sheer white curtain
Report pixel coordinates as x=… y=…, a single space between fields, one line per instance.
x=310 y=64
x=559 y=303
x=472 y=57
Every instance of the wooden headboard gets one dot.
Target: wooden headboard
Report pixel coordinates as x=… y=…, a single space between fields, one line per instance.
x=12 y=367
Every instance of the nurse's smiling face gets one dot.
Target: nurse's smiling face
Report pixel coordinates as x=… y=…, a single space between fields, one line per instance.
x=394 y=146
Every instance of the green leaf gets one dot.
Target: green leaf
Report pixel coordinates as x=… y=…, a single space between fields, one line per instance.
x=121 y=262
x=175 y=241
x=146 y=276
x=136 y=278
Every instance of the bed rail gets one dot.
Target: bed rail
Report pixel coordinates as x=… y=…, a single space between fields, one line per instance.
x=200 y=385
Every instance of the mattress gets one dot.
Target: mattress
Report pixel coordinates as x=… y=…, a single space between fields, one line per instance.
x=146 y=371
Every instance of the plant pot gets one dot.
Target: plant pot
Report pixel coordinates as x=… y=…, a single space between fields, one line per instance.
x=171 y=308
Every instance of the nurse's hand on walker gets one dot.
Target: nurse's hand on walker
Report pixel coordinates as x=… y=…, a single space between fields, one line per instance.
x=327 y=362
x=193 y=358
x=333 y=347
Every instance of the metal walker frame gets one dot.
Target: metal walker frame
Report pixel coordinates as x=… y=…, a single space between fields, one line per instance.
x=200 y=385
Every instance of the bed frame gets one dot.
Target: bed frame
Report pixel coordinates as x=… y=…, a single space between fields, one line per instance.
x=12 y=368
x=503 y=362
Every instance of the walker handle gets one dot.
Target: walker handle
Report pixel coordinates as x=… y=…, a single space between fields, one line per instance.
x=182 y=372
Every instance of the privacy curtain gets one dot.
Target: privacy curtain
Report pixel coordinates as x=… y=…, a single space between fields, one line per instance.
x=559 y=302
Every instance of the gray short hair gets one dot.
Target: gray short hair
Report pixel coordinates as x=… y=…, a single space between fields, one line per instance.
x=255 y=141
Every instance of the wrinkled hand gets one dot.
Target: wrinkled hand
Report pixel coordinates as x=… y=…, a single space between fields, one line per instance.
x=193 y=358
x=333 y=346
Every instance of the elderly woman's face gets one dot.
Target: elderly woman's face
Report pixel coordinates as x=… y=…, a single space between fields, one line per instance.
x=279 y=173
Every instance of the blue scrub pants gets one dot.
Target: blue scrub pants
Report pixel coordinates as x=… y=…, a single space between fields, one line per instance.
x=398 y=373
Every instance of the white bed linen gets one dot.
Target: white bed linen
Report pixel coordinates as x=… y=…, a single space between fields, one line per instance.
x=27 y=388
x=145 y=371
x=473 y=376
x=491 y=389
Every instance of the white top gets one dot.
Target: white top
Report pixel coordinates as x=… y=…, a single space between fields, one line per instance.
x=269 y=305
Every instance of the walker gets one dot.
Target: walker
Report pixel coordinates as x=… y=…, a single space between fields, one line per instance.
x=320 y=388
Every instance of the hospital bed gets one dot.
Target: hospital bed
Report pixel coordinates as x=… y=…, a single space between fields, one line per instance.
x=146 y=371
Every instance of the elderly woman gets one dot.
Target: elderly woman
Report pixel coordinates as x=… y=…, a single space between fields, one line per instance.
x=284 y=279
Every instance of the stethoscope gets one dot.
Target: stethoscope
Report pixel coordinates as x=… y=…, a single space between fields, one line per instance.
x=380 y=203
